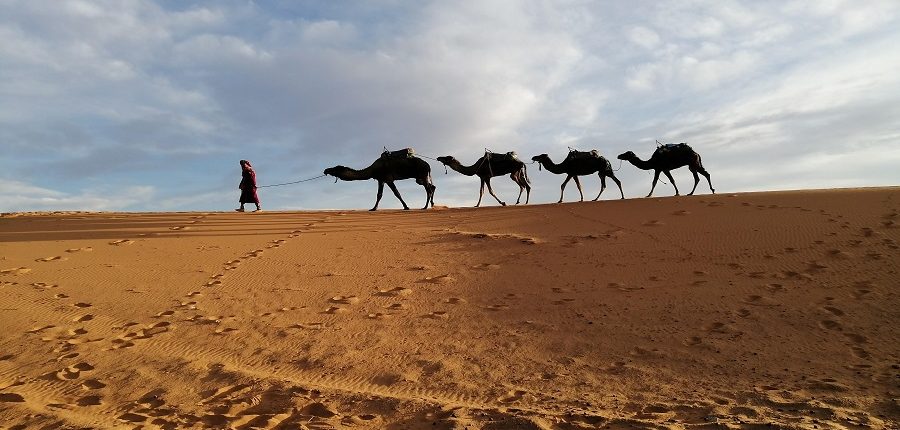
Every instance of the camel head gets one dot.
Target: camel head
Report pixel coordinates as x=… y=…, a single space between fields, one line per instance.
x=540 y=158
x=627 y=156
x=336 y=171
x=447 y=160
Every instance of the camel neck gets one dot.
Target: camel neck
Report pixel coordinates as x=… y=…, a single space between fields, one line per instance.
x=641 y=164
x=466 y=170
x=551 y=166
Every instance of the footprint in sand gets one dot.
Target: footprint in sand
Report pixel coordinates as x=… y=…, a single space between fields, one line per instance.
x=441 y=279
x=60 y=296
x=512 y=396
x=856 y=338
x=378 y=316
x=719 y=327
x=48 y=259
x=861 y=294
x=774 y=288
x=834 y=311
x=454 y=300
x=654 y=223
x=394 y=292
x=92 y=400
x=147 y=332
x=860 y=352
x=92 y=384
x=82 y=305
x=194 y=294
x=180 y=227
x=83 y=318
x=345 y=300
x=681 y=213
x=757 y=300
x=497 y=307
x=84 y=249
x=67 y=356
x=74 y=371
x=334 y=310
x=486 y=266
x=15 y=271
x=121 y=242
x=838 y=254
x=11 y=398
x=397 y=307
x=43 y=285
x=439 y=315
x=165 y=314
x=308 y=326
x=831 y=325
x=213 y=283
x=693 y=341
x=743 y=313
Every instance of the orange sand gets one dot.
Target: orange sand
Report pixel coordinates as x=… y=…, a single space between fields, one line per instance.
x=725 y=311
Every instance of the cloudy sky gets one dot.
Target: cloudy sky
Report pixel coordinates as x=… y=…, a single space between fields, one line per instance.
x=149 y=105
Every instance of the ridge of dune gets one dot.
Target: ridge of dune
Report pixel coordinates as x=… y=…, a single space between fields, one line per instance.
x=775 y=309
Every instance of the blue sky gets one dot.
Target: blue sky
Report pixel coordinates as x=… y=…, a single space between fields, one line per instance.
x=142 y=105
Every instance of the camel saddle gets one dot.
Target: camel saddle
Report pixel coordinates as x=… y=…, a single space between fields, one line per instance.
x=578 y=155
x=402 y=153
x=672 y=147
x=511 y=155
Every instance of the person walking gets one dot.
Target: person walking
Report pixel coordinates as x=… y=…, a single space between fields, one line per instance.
x=248 y=186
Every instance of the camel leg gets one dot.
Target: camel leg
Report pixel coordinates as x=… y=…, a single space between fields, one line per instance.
x=480 y=194
x=655 y=178
x=562 y=188
x=578 y=184
x=380 y=192
x=602 y=185
x=696 y=181
x=491 y=190
x=429 y=190
x=708 y=181
x=523 y=183
x=616 y=180
x=669 y=175
x=518 y=180
x=397 y=193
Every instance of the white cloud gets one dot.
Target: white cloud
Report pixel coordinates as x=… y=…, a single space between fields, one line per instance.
x=19 y=196
x=644 y=37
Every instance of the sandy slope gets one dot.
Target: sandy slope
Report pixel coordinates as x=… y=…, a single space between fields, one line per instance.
x=724 y=311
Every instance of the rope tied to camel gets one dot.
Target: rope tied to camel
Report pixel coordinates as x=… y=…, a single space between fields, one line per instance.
x=293 y=182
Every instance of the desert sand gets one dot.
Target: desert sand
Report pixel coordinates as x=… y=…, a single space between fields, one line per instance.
x=756 y=310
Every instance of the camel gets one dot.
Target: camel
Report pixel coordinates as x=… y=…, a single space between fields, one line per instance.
x=491 y=165
x=387 y=169
x=579 y=164
x=668 y=157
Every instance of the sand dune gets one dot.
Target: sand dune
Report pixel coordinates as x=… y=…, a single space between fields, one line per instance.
x=775 y=310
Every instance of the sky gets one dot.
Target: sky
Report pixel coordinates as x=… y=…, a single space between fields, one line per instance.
x=128 y=105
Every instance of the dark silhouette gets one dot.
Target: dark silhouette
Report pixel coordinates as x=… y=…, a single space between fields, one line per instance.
x=248 y=186
x=577 y=164
x=491 y=165
x=388 y=168
x=668 y=157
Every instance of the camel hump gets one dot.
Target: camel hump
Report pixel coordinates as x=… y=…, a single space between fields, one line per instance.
x=402 y=153
x=580 y=155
